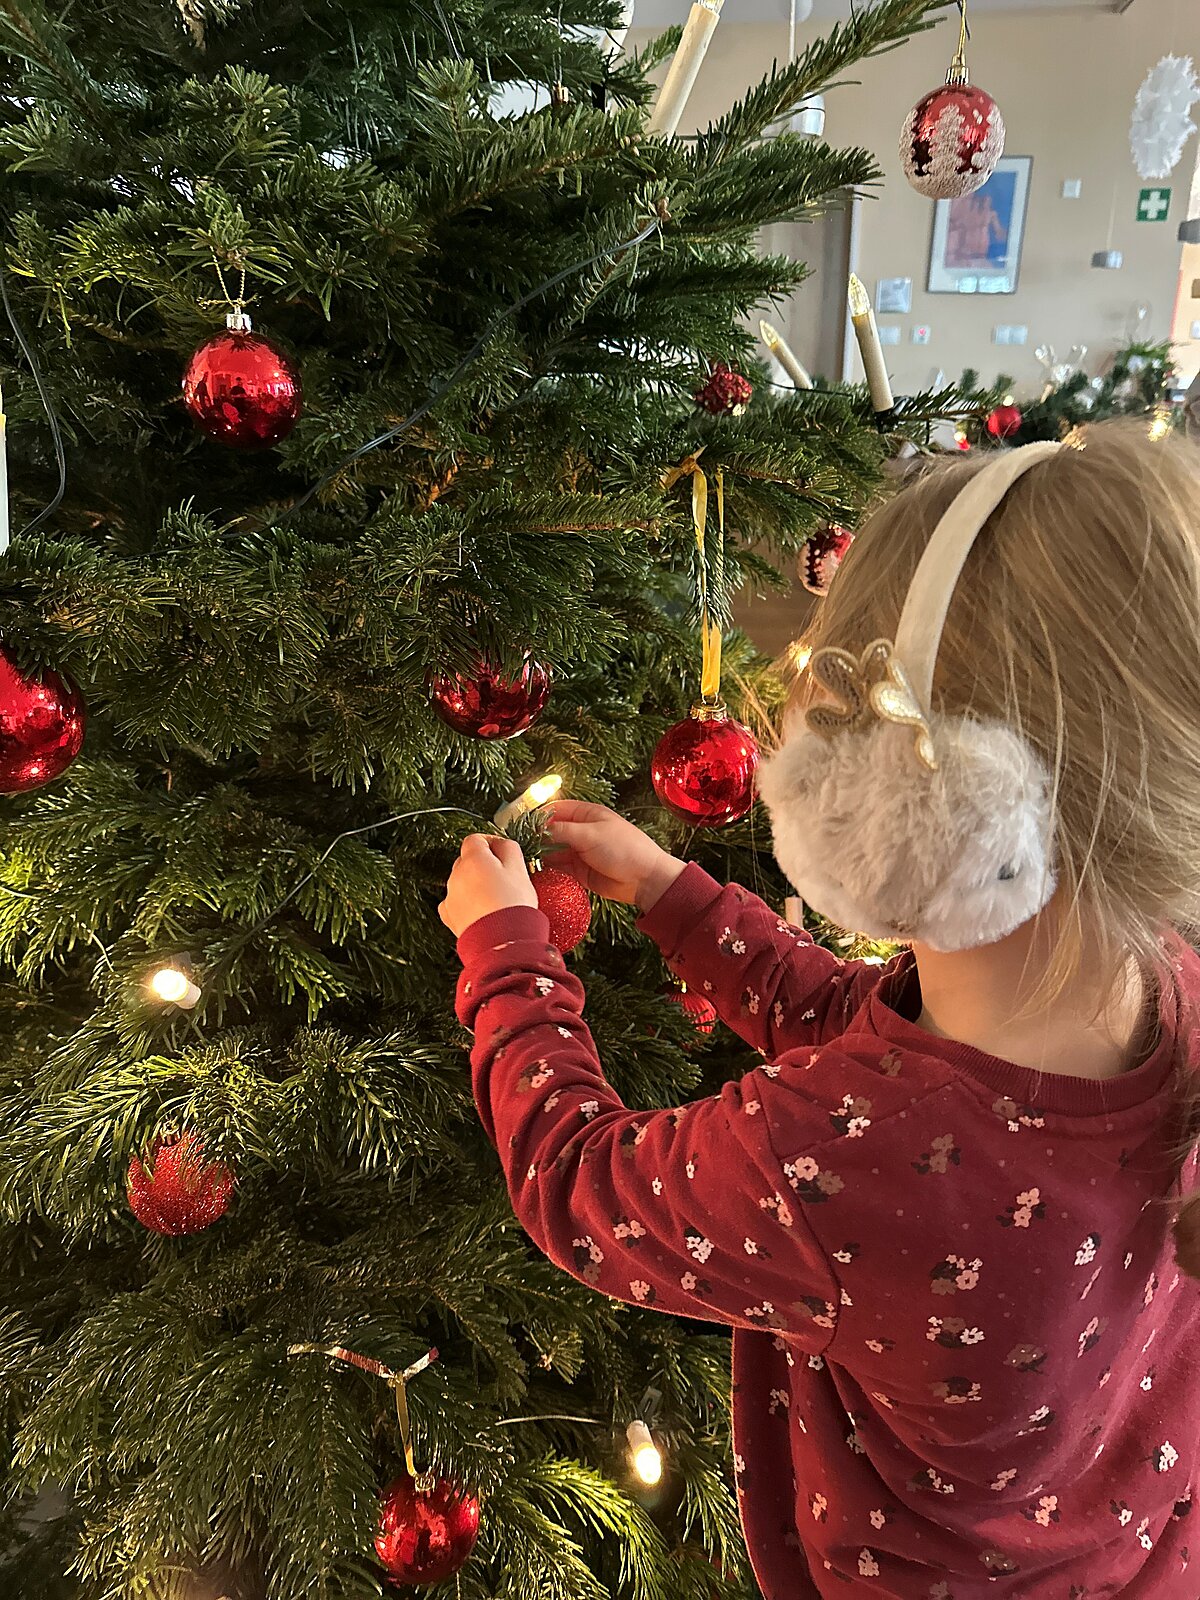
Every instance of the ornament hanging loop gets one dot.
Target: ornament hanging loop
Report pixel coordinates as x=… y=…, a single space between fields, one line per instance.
x=236 y=317
x=958 y=75
x=397 y=1382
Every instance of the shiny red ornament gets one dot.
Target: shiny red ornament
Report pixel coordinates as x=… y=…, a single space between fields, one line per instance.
x=725 y=390
x=42 y=723
x=1003 y=422
x=425 y=1537
x=488 y=703
x=702 y=1012
x=241 y=389
x=703 y=769
x=567 y=904
x=951 y=140
x=176 y=1190
x=822 y=556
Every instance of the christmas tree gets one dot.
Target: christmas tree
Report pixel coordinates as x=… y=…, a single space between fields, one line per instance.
x=225 y=996
x=1136 y=383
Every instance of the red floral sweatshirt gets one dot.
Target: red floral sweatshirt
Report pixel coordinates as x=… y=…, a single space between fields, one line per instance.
x=965 y=1363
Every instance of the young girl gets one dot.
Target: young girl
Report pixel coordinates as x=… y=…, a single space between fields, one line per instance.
x=939 y=1217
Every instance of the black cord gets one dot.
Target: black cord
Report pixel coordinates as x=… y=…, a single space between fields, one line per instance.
x=55 y=431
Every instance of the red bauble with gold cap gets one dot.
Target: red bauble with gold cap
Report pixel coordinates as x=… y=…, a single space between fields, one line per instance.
x=703 y=768
x=241 y=389
x=952 y=139
x=566 y=903
x=425 y=1534
x=42 y=722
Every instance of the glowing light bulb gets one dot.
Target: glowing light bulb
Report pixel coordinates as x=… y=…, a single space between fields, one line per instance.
x=536 y=795
x=644 y=1455
x=1160 y=426
x=174 y=987
x=860 y=300
x=800 y=655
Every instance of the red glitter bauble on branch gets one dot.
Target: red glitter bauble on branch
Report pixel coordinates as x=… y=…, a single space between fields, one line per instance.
x=240 y=388
x=566 y=903
x=952 y=139
x=425 y=1535
x=822 y=555
x=1004 y=421
x=42 y=723
x=488 y=703
x=725 y=391
x=703 y=768
x=176 y=1189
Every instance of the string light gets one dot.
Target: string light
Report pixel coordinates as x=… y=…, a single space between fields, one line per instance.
x=644 y=1455
x=537 y=794
x=172 y=986
x=799 y=654
x=1160 y=425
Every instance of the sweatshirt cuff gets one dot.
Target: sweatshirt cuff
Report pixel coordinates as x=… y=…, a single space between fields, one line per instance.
x=675 y=915
x=512 y=925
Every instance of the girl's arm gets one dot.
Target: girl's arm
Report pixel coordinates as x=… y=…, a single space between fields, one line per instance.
x=689 y=1211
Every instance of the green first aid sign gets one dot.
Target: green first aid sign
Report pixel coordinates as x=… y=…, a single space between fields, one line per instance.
x=1153 y=205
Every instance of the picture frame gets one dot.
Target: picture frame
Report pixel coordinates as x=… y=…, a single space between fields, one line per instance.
x=978 y=239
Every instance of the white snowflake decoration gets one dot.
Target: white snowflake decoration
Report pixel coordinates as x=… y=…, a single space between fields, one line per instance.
x=1162 y=116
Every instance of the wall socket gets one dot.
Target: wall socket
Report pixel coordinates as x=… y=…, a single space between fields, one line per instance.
x=1072 y=188
x=920 y=333
x=889 y=333
x=1010 y=333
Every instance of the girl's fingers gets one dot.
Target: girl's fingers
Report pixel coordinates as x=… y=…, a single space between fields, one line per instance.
x=507 y=851
x=475 y=844
x=570 y=811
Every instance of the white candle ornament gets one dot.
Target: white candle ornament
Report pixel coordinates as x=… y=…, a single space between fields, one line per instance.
x=537 y=794
x=793 y=911
x=785 y=355
x=644 y=1455
x=3 y=478
x=869 y=347
x=685 y=67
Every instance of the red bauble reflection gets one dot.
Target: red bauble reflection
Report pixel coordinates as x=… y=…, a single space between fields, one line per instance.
x=702 y=1012
x=241 y=389
x=703 y=769
x=565 y=901
x=821 y=557
x=949 y=146
x=42 y=722
x=1003 y=422
x=177 y=1190
x=488 y=703
x=423 y=1538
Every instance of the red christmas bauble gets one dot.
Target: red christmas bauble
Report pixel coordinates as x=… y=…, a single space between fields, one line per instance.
x=822 y=556
x=425 y=1537
x=241 y=389
x=42 y=722
x=702 y=1012
x=176 y=1190
x=567 y=904
x=1003 y=422
x=489 y=704
x=725 y=390
x=703 y=768
x=951 y=141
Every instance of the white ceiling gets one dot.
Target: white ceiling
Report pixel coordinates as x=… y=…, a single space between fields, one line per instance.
x=661 y=13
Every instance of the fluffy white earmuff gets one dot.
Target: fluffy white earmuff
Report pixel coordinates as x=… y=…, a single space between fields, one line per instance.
x=898 y=823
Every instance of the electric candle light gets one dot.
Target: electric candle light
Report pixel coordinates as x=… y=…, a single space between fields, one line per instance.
x=784 y=354
x=871 y=350
x=685 y=67
x=174 y=987
x=644 y=1455
x=536 y=795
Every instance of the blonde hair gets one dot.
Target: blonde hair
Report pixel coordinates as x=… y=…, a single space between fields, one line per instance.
x=1077 y=622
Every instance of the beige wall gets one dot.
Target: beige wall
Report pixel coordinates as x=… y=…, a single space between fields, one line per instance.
x=1065 y=83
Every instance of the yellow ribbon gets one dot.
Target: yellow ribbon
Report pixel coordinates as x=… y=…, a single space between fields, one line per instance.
x=710 y=631
x=396 y=1381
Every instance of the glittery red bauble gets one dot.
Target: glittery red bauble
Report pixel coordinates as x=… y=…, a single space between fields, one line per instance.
x=488 y=703
x=702 y=1012
x=950 y=143
x=423 y=1538
x=242 y=390
x=42 y=720
x=822 y=556
x=176 y=1190
x=1003 y=422
x=565 y=901
x=703 y=769
x=725 y=390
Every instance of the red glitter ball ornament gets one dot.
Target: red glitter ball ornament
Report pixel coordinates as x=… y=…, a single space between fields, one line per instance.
x=42 y=722
x=822 y=556
x=565 y=901
x=951 y=141
x=725 y=390
x=1004 y=421
x=176 y=1190
x=489 y=704
x=703 y=769
x=241 y=389
x=702 y=1012
x=424 y=1537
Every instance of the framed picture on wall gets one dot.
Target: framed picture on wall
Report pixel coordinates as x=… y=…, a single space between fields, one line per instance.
x=977 y=240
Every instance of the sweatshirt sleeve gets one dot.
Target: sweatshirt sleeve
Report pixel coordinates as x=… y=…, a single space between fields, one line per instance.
x=770 y=982
x=685 y=1210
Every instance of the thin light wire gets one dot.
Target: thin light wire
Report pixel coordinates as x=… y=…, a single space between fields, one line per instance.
x=60 y=454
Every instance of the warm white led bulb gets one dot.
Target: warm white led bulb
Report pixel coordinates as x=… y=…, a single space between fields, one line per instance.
x=544 y=789
x=801 y=655
x=644 y=1455
x=174 y=987
x=1160 y=426
x=536 y=795
x=860 y=300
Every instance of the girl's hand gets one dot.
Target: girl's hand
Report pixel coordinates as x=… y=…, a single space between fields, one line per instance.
x=609 y=855
x=489 y=875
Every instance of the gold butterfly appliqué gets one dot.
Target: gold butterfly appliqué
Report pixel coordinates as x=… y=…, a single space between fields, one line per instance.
x=873 y=686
